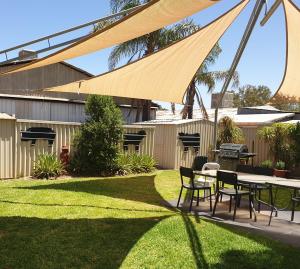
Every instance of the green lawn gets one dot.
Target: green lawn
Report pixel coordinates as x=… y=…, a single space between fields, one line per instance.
x=120 y=222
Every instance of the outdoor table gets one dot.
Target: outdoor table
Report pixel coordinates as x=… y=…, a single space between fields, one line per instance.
x=253 y=179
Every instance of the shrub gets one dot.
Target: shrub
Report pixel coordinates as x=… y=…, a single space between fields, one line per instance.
x=135 y=164
x=47 y=166
x=267 y=164
x=96 y=146
x=295 y=142
x=228 y=132
x=280 y=165
x=278 y=138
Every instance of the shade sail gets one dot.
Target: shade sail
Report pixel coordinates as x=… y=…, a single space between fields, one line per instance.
x=151 y=17
x=164 y=75
x=290 y=85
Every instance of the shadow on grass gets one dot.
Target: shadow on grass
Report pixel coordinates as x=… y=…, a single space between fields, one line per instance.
x=277 y=255
x=81 y=243
x=195 y=243
x=136 y=188
x=252 y=260
x=83 y=206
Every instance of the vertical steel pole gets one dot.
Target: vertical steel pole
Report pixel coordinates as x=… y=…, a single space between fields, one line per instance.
x=249 y=29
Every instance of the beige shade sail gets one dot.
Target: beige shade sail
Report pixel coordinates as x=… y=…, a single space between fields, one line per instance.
x=151 y=17
x=164 y=75
x=290 y=85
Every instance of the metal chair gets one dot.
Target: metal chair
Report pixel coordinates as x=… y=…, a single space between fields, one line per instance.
x=229 y=178
x=258 y=188
x=198 y=162
x=188 y=173
x=295 y=200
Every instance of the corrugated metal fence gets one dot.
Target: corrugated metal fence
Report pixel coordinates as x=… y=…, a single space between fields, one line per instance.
x=7 y=129
x=256 y=145
x=161 y=141
x=169 y=151
x=17 y=157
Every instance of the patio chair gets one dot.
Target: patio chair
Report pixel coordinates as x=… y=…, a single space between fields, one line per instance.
x=188 y=174
x=257 y=188
x=229 y=178
x=209 y=181
x=198 y=162
x=295 y=201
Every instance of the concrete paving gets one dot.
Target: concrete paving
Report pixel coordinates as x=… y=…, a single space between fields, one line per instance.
x=281 y=228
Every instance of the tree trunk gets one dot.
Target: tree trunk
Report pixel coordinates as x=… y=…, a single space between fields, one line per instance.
x=146 y=116
x=189 y=104
x=146 y=110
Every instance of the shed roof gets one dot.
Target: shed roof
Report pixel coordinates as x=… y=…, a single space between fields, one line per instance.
x=243 y=119
x=4 y=116
x=168 y=122
x=260 y=119
x=292 y=121
x=23 y=62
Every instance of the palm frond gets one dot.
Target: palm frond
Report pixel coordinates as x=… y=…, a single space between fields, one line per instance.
x=176 y=32
x=118 y=5
x=125 y=50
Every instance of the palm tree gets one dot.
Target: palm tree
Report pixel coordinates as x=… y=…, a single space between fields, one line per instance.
x=208 y=79
x=145 y=45
x=149 y=43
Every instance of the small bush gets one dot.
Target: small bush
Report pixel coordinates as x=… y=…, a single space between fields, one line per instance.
x=228 y=132
x=267 y=164
x=96 y=145
x=47 y=166
x=135 y=164
x=280 y=165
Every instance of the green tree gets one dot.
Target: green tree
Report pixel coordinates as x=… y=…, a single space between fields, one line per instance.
x=96 y=146
x=249 y=95
x=286 y=102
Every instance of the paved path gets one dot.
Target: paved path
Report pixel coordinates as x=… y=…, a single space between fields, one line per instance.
x=281 y=229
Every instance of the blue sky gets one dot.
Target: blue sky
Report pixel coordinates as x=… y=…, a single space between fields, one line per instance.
x=262 y=63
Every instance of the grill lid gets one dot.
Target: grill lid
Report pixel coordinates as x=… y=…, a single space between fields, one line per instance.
x=240 y=148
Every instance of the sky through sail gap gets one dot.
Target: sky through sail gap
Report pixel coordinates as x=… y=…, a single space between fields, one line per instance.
x=137 y=23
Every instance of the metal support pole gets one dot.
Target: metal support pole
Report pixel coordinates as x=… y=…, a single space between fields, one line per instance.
x=112 y=16
x=270 y=12
x=250 y=26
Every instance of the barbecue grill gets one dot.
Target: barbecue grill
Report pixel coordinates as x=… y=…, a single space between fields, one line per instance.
x=229 y=155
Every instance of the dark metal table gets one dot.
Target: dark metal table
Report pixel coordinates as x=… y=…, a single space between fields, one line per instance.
x=254 y=180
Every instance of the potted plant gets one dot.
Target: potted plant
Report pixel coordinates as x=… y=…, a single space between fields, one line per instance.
x=279 y=170
x=265 y=168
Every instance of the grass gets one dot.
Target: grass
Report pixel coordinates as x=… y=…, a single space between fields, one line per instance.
x=120 y=222
x=282 y=198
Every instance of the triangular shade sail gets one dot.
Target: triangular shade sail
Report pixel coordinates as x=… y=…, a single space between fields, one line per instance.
x=151 y=17
x=164 y=75
x=290 y=85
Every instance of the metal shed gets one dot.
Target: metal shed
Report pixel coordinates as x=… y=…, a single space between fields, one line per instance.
x=169 y=150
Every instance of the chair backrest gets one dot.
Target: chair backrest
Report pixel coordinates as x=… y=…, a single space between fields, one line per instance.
x=187 y=173
x=228 y=178
x=245 y=169
x=211 y=166
x=198 y=162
